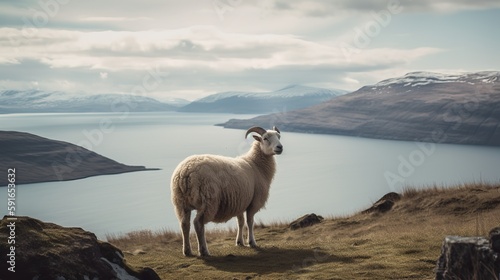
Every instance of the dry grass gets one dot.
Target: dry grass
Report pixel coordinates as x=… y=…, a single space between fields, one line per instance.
x=403 y=243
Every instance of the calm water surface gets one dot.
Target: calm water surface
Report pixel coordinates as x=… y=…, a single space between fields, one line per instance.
x=324 y=174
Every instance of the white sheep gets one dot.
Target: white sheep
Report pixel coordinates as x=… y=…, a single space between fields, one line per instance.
x=220 y=188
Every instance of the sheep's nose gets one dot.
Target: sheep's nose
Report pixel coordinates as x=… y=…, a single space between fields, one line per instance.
x=279 y=149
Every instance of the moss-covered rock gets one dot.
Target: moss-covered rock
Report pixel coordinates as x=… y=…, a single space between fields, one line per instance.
x=49 y=251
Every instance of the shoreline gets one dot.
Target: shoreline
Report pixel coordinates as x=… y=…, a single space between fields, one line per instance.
x=38 y=159
x=89 y=176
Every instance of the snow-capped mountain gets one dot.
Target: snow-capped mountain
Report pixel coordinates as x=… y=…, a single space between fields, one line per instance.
x=417 y=79
x=419 y=106
x=286 y=92
x=34 y=101
x=288 y=98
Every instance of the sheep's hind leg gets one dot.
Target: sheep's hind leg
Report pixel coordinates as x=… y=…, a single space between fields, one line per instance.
x=251 y=238
x=185 y=221
x=241 y=224
x=199 y=227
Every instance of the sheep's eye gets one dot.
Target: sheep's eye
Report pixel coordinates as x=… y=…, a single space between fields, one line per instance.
x=266 y=139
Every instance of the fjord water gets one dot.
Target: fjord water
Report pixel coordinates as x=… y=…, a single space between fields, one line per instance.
x=324 y=174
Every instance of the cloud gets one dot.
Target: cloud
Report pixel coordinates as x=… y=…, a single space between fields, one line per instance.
x=103 y=75
x=201 y=46
x=310 y=8
x=256 y=45
x=113 y=19
x=350 y=80
x=448 y=6
x=199 y=56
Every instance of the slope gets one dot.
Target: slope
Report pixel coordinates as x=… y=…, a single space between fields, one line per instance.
x=401 y=243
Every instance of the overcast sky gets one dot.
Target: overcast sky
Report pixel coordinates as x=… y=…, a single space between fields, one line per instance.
x=189 y=49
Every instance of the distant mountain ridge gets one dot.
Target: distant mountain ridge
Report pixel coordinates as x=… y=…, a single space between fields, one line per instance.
x=289 y=98
x=37 y=101
x=415 y=79
x=419 y=106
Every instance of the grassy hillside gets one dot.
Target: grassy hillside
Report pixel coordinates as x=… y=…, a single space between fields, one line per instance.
x=402 y=243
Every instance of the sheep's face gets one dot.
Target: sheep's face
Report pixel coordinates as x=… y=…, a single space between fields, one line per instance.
x=270 y=142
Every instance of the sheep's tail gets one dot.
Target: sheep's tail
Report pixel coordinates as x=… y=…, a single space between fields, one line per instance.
x=181 y=190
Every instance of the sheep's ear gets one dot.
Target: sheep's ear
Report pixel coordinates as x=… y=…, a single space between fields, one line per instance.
x=258 y=138
x=276 y=129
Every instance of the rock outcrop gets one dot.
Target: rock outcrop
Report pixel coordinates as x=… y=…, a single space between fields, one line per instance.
x=495 y=239
x=42 y=250
x=384 y=204
x=306 y=221
x=470 y=258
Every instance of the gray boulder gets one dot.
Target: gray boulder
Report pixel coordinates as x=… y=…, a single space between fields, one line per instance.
x=306 y=221
x=49 y=251
x=384 y=204
x=469 y=258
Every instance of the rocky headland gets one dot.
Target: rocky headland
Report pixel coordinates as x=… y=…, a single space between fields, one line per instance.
x=37 y=159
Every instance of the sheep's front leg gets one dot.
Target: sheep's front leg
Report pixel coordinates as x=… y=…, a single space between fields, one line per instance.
x=199 y=227
x=241 y=224
x=251 y=238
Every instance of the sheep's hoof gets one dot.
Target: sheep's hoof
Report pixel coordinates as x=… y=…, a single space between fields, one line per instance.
x=240 y=243
x=188 y=254
x=204 y=253
x=253 y=245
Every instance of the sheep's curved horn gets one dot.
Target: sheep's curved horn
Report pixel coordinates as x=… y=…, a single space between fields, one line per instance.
x=256 y=129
